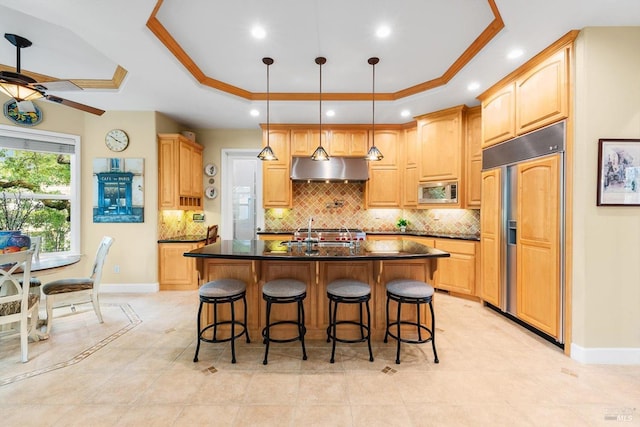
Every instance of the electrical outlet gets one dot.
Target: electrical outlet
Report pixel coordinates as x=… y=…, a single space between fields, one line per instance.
x=116 y=268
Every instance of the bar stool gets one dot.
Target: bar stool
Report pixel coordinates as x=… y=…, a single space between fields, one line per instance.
x=348 y=291
x=222 y=291
x=408 y=291
x=284 y=291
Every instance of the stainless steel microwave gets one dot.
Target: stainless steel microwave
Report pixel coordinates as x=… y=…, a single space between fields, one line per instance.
x=438 y=192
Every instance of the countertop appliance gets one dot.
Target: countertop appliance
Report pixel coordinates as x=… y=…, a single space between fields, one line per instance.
x=438 y=192
x=546 y=142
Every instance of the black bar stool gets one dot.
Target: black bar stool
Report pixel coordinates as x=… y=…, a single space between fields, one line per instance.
x=348 y=291
x=222 y=291
x=284 y=291
x=408 y=291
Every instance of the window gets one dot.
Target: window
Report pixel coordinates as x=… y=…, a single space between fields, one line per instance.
x=40 y=170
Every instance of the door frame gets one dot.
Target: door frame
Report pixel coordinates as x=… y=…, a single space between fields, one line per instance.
x=226 y=200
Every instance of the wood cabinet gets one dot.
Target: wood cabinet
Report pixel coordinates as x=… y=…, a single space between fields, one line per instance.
x=537 y=244
x=179 y=172
x=491 y=237
x=499 y=116
x=458 y=272
x=177 y=272
x=536 y=95
x=473 y=153
x=410 y=178
x=304 y=141
x=441 y=140
x=276 y=181
x=348 y=143
x=384 y=175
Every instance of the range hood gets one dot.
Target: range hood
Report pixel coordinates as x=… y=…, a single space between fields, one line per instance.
x=334 y=169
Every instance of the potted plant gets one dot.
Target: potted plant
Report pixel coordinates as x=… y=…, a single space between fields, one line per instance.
x=402 y=224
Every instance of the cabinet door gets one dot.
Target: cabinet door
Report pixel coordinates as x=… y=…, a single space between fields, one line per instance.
x=168 y=174
x=279 y=143
x=388 y=142
x=276 y=186
x=440 y=138
x=456 y=273
x=542 y=94
x=474 y=158
x=196 y=173
x=186 y=173
x=410 y=160
x=358 y=143
x=537 y=243
x=498 y=116
x=491 y=237
x=383 y=188
x=301 y=144
x=177 y=272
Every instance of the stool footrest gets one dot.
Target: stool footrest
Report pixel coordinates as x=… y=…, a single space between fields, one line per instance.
x=410 y=340
x=224 y=322
x=349 y=322
x=302 y=328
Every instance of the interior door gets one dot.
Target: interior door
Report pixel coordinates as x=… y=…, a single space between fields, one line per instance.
x=538 y=243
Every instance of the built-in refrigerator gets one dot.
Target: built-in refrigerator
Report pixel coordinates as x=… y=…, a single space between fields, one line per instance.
x=530 y=259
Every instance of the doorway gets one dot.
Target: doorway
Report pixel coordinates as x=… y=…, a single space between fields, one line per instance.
x=241 y=200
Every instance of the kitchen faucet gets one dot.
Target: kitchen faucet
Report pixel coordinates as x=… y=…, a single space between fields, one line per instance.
x=309 y=234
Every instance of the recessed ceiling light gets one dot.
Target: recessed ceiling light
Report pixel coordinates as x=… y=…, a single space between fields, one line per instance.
x=331 y=113
x=258 y=32
x=515 y=53
x=405 y=113
x=383 y=31
x=473 y=86
x=254 y=113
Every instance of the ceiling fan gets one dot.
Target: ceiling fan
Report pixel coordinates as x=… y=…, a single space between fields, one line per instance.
x=25 y=89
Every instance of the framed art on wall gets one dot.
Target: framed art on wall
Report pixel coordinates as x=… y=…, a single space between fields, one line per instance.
x=618 y=172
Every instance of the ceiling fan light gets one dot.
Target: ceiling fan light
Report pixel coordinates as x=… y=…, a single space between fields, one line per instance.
x=19 y=92
x=374 y=154
x=267 y=154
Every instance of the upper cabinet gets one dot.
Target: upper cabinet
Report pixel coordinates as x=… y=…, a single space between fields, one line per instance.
x=441 y=141
x=348 y=143
x=384 y=175
x=276 y=181
x=533 y=96
x=304 y=141
x=180 y=173
x=410 y=178
x=473 y=157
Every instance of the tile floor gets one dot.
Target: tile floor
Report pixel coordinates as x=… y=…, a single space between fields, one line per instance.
x=491 y=373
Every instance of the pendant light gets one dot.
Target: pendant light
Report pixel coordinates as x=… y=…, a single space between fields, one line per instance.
x=373 y=154
x=320 y=153
x=267 y=153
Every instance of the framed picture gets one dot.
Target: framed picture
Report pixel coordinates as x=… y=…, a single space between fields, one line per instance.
x=618 y=172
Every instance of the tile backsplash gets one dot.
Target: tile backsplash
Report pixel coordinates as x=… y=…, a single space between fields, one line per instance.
x=334 y=205
x=179 y=223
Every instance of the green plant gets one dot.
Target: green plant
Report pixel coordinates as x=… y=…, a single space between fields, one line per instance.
x=402 y=222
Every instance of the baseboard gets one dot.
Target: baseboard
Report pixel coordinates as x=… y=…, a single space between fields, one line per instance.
x=129 y=287
x=606 y=356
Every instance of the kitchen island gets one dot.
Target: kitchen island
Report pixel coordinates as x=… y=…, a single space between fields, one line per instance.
x=372 y=262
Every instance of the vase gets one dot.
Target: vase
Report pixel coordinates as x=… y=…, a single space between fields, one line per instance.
x=403 y=229
x=14 y=241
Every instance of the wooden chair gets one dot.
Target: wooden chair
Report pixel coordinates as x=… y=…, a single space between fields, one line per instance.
x=212 y=234
x=18 y=306
x=78 y=290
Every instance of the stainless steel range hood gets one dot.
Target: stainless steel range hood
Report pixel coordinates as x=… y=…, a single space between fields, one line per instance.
x=334 y=169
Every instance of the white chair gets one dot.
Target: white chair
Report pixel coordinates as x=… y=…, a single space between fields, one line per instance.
x=78 y=290
x=35 y=283
x=18 y=306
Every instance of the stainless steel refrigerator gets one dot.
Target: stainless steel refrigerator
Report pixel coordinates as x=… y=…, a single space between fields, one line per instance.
x=532 y=208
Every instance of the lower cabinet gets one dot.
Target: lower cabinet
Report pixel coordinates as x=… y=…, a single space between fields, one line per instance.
x=456 y=273
x=177 y=272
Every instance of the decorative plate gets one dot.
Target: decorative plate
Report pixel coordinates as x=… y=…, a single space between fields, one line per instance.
x=211 y=169
x=211 y=192
x=22 y=118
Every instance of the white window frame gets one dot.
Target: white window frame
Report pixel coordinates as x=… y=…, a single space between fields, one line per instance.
x=26 y=135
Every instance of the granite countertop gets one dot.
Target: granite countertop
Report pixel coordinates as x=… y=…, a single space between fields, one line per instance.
x=416 y=233
x=189 y=238
x=274 y=250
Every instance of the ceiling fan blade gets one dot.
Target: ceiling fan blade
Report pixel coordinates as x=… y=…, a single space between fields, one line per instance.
x=59 y=85
x=75 y=105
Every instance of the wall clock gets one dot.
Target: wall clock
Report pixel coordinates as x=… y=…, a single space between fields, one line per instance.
x=116 y=140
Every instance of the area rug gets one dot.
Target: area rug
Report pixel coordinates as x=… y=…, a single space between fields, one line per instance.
x=75 y=336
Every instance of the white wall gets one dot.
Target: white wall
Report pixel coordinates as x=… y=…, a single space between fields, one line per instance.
x=606 y=250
